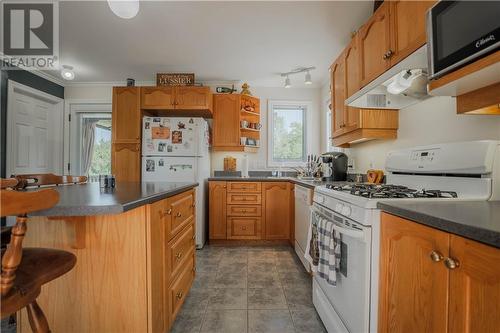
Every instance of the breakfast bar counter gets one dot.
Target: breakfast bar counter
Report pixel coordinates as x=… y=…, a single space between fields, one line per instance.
x=135 y=249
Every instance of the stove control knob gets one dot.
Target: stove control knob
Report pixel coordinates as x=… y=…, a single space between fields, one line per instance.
x=346 y=211
x=338 y=207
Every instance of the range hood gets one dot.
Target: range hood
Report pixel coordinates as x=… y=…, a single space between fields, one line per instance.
x=402 y=85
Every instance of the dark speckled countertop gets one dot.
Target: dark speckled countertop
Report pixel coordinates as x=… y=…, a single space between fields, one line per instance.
x=476 y=220
x=90 y=199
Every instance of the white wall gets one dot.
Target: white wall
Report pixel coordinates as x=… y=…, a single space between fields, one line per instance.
x=257 y=161
x=432 y=121
x=89 y=92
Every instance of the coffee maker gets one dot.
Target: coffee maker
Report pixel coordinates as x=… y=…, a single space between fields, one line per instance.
x=334 y=166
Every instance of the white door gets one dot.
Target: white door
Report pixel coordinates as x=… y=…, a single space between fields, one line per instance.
x=34 y=131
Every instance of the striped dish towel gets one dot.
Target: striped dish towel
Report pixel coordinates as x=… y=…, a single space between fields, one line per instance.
x=324 y=244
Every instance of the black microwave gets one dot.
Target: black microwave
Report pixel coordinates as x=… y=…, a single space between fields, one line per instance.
x=459 y=32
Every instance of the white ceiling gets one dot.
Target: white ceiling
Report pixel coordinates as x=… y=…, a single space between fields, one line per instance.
x=218 y=41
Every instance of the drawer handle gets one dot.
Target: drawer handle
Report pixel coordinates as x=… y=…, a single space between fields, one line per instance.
x=436 y=256
x=179 y=295
x=168 y=211
x=243 y=228
x=178 y=214
x=178 y=256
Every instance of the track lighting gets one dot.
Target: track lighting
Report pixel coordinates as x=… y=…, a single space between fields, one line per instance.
x=67 y=72
x=307 y=80
x=287 y=82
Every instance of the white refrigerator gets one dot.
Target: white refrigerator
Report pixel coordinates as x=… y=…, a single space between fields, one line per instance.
x=176 y=150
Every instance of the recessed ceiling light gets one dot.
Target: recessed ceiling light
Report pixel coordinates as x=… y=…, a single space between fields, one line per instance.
x=125 y=9
x=308 y=78
x=67 y=72
x=288 y=84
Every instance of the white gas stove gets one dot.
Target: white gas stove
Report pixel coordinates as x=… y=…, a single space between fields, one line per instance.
x=451 y=171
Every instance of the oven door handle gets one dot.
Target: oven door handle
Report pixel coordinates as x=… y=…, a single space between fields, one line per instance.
x=360 y=234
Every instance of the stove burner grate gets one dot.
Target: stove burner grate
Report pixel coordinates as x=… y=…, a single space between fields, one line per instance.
x=390 y=191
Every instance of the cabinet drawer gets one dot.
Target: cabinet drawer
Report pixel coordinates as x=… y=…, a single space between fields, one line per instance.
x=181 y=208
x=236 y=210
x=179 y=250
x=244 y=198
x=244 y=228
x=243 y=187
x=178 y=291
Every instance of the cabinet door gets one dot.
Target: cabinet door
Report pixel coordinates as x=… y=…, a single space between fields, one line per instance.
x=413 y=293
x=408 y=19
x=226 y=123
x=276 y=208
x=126 y=116
x=126 y=162
x=352 y=84
x=374 y=43
x=193 y=98
x=161 y=98
x=217 y=210
x=338 y=96
x=474 y=287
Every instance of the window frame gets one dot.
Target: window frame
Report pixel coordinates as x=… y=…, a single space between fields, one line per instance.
x=307 y=106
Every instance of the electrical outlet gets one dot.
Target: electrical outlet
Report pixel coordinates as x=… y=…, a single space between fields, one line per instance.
x=351 y=164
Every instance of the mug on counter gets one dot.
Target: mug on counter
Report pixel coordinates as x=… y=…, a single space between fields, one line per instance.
x=244 y=124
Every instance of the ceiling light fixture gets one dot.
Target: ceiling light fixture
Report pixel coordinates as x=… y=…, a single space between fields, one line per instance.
x=125 y=9
x=67 y=72
x=288 y=84
x=307 y=80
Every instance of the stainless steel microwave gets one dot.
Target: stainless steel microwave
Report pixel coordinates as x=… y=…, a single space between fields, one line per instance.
x=459 y=32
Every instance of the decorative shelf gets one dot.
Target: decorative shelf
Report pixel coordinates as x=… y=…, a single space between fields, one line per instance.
x=249 y=129
x=250 y=113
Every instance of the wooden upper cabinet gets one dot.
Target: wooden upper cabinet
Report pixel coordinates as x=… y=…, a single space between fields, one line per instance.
x=408 y=27
x=126 y=161
x=226 y=121
x=352 y=83
x=217 y=210
x=474 y=287
x=126 y=115
x=338 y=97
x=157 y=97
x=374 y=43
x=413 y=293
x=276 y=208
x=193 y=98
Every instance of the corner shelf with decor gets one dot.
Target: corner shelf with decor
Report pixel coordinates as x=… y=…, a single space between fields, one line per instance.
x=236 y=123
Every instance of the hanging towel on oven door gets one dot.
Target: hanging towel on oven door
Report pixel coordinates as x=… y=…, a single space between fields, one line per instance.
x=324 y=248
x=312 y=250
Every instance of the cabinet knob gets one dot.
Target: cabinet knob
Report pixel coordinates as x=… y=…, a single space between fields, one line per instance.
x=243 y=228
x=224 y=186
x=178 y=256
x=436 y=256
x=179 y=295
x=390 y=53
x=168 y=211
x=451 y=263
x=194 y=237
x=178 y=214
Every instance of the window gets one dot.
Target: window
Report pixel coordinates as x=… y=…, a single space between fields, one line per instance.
x=101 y=157
x=287 y=133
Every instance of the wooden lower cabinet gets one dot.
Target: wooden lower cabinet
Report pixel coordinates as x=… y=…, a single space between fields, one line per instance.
x=276 y=208
x=250 y=210
x=420 y=291
x=217 y=210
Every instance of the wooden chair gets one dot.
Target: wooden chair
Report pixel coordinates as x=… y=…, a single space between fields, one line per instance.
x=24 y=271
x=47 y=179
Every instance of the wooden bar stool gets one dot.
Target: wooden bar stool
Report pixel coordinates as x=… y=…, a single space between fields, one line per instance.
x=43 y=179
x=24 y=271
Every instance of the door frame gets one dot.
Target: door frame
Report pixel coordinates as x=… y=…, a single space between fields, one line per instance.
x=68 y=114
x=16 y=87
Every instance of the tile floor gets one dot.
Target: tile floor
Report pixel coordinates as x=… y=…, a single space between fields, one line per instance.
x=249 y=289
